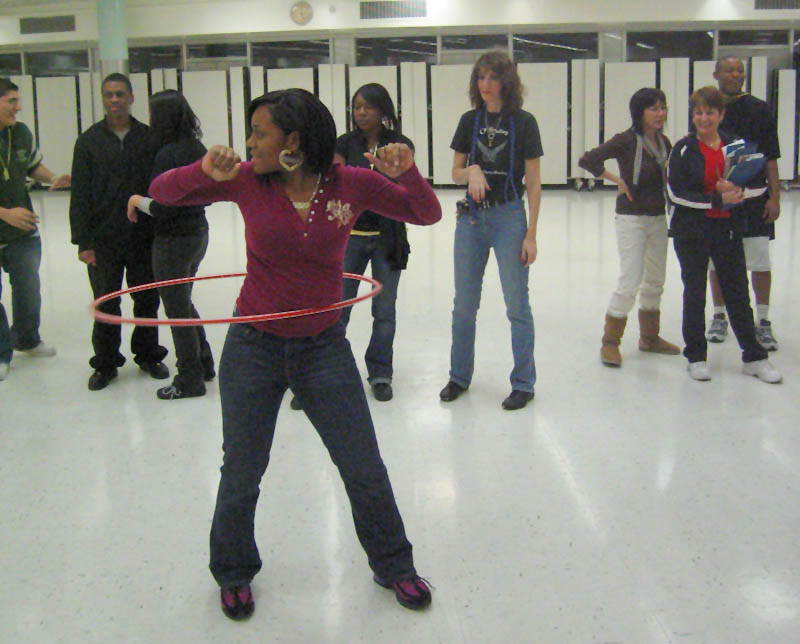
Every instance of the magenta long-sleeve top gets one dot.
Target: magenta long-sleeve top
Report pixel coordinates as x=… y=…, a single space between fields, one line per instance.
x=294 y=264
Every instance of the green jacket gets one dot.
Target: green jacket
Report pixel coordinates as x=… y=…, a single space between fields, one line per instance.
x=16 y=164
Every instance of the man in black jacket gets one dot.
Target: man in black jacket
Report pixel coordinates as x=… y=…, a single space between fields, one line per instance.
x=751 y=118
x=112 y=161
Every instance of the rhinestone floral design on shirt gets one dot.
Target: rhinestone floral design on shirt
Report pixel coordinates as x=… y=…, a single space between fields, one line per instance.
x=340 y=212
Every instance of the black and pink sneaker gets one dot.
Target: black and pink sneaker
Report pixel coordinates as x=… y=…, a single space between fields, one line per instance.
x=412 y=592
x=237 y=602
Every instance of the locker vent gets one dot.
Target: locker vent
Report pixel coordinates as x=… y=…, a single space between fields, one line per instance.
x=777 y=4
x=46 y=25
x=382 y=9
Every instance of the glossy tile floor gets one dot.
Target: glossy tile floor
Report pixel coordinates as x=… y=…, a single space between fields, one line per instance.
x=631 y=505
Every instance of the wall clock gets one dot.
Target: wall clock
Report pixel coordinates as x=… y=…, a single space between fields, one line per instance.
x=301 y=12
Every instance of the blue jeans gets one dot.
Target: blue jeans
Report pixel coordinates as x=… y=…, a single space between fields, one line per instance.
x=501 y=228
x=20 y=258
x=255 y=371
x=360 y=251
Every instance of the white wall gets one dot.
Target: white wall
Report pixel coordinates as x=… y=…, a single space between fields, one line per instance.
x=287 y=78
x=57 y=117
x=449 y=100
x=675 y=85
x=546 y=99
x=207 y=94
x=585 y=117
x=333 y=94
x=787 y=84
x=622 y=80
x=414 y=92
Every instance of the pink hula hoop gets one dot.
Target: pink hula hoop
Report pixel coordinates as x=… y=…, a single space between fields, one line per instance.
x=118 y=319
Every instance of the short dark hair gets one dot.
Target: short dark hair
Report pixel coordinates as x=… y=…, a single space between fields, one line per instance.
x=708 y=96
x=171 y=118
x=641 y=100
x=116 y=77
x=723 y=59
x=296 y=110
x=511 y=88
x=7 y=86
x=377 y=96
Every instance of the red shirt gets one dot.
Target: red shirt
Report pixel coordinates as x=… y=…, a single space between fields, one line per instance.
x=715 y=170
x=292 y=264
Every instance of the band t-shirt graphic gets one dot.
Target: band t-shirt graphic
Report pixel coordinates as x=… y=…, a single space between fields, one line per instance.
x=493 y=148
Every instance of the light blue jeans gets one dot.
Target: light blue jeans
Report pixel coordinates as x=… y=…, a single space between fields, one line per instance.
x=501 y=228
x=20 y=258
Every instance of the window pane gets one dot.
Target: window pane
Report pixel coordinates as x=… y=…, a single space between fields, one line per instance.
x=393 y=51
x=494 y=41
x=545 y=48
x=654 y=45
x=10 y=64
x=218 y=50
x=465 y=50
x=57 y=63
x=143 y=59
x=291 y=53
x=756 y=37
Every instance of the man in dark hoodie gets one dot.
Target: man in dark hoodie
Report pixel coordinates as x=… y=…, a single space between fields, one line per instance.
x=112 y=161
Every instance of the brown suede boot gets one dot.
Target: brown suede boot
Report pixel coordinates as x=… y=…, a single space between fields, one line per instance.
x=649 y=326
x=612 y=334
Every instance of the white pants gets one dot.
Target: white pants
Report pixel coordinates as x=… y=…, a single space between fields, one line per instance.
x=642 y=246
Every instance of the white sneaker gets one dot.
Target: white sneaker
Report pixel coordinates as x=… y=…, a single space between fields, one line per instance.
x=4 y=370
x=763 y=370
x=41 y=350
x=699 y=370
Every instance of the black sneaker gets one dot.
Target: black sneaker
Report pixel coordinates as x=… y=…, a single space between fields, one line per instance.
x=237 y=602
x=451 y=391
x=101 y=377
x=517 y=399
x=382 y=391
x=176 y=391
x=412 y=592
x=157 y=370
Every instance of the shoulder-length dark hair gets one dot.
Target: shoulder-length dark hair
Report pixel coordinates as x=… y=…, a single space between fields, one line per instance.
x=296 y=110
x=171 y=118
x=511 y=90
x=640 y=101
x=377 y=96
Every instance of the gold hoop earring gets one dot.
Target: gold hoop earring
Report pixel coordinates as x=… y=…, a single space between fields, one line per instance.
x=289 y=161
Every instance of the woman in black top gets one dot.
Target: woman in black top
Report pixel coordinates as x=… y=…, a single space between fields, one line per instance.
x=181 y=240
x=374 y=239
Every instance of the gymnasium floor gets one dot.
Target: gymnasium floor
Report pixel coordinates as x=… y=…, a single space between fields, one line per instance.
x=631 y=505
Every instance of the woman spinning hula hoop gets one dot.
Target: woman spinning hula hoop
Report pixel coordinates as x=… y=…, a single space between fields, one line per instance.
x=298 y=210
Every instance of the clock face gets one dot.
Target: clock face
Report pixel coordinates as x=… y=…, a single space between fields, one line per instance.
x=301 y=12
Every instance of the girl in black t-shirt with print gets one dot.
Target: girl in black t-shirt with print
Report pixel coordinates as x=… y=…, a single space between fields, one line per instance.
x=496 y=145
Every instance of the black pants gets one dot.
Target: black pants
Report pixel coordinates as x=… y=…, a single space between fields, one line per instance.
x=131 y=258
x=180 y=256
x=725 y=249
